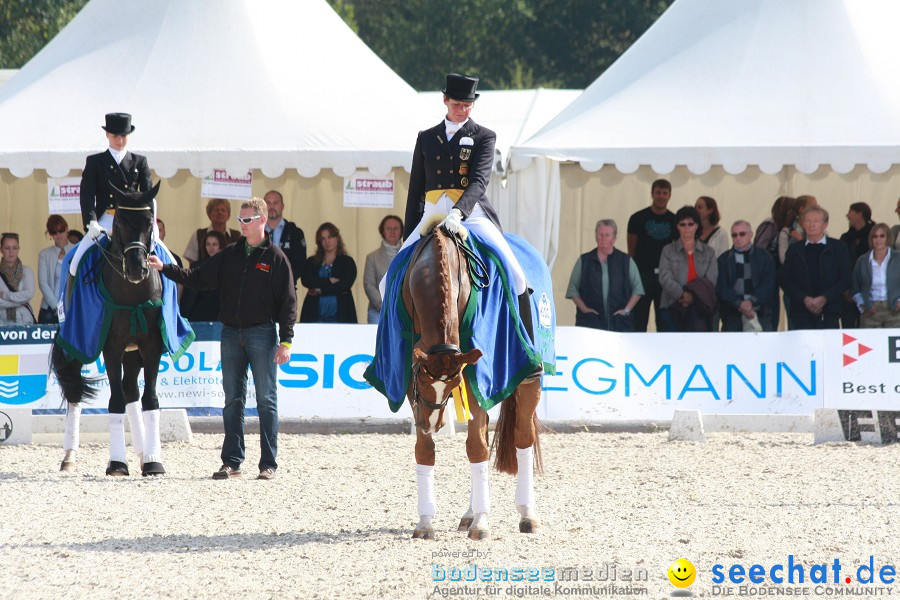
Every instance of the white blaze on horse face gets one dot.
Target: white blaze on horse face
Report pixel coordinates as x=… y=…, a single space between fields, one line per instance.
x=438 y=387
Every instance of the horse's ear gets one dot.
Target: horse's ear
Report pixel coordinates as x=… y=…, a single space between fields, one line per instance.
x=471 y=357
x=419 y=356
x=150 y=194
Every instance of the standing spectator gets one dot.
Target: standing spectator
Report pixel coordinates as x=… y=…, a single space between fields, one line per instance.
x=75 y=236
x=815 y=274
x=377 y=262
x=687 y=274
x=253 y=277
x=876 y=281
x=329 y=275
x=895 y=230
x=768 y=237
x=787 y=219
x=857 y=240
x=284 y=234
x=746 y=283
x=856 y=237
x=161 y=226
x=710 y=233
x=219 y=212
x=16 y=284
x=203 y=305
x=649 y=231
x=605 y=284
x=50 y=268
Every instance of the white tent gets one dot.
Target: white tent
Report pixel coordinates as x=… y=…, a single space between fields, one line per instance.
x=236 y=84
x=741 y=100
x=514 y=115
x=770 y=83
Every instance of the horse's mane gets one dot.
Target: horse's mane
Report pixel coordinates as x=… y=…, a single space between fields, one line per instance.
x=443 y=270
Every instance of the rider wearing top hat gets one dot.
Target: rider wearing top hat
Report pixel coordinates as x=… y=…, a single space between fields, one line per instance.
x=115 y=167
x=451 y=169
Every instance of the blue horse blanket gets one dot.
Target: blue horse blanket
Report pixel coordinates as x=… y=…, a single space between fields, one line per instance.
x=88 y=310
x=491 y=323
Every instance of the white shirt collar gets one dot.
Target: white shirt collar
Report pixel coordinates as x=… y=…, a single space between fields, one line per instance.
x=118 y=155
x=823 y=241
x=451 y=127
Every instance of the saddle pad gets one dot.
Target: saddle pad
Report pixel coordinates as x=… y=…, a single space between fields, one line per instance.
x=491 y=323
x=86 y=314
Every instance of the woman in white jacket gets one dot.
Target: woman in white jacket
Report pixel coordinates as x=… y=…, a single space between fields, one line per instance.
x=49 y=267
x=16 y=284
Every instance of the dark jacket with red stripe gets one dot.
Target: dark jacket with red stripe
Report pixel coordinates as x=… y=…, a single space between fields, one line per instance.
x=253 y=290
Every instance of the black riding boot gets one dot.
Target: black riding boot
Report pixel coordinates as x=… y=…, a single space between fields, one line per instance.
x=525 y=315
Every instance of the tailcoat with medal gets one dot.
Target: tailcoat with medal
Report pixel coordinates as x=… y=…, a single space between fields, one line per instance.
x=439 y=164
x=101 y=170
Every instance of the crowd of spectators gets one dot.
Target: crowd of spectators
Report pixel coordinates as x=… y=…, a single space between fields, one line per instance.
x=683 y=264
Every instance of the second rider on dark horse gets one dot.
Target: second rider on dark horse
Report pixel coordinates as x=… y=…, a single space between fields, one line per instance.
x=117 y=305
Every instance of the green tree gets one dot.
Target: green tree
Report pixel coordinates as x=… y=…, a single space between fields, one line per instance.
x=508 y=43
x=27 y=25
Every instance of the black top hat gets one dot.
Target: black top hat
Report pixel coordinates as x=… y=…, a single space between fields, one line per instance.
x=461 y=87
x=118 y=123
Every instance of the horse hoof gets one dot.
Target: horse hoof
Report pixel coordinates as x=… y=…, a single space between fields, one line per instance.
x=67 y=466
x=423 y=534
x=117 y=469
x=529 y=525
x=478 y=534
x=464 y=524
x=152 y=468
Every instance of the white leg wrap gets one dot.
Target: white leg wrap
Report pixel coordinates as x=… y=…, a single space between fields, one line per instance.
x=117 y=438
x=481 y=494
x=136 y=425
x=525 y=477
x=72 y=435
x=425 y=480
x=152 y=446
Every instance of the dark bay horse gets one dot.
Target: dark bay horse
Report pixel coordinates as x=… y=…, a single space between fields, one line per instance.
x=435 y=292
x=134 y=340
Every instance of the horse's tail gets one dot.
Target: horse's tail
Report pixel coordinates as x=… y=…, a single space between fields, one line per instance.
x=75 y=386
x=504 y=445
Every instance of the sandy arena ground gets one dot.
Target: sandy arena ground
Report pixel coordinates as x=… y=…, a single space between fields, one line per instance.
x=336 y=522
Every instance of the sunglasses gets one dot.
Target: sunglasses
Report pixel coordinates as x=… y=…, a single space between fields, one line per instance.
x=59 y=231
x=740 y=234
x=248 y=220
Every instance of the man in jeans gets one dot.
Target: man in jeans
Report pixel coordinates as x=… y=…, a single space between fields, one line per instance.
x=256 y=289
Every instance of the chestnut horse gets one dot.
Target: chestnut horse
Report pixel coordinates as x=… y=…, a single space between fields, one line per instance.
x=436 y=290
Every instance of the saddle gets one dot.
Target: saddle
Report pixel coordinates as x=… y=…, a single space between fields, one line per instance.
x=491 y=325
x=84 y=303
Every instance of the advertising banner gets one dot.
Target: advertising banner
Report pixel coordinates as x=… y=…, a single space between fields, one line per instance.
x=601 y=376
x=64 y=195
x=364 y=190
x=222 y=185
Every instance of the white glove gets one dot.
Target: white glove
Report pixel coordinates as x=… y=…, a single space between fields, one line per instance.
x=94 y=230
x=453 y=224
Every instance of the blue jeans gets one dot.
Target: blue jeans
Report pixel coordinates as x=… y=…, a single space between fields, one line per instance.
x=254 y=347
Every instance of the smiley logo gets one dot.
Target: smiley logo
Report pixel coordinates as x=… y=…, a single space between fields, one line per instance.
x=682 y=573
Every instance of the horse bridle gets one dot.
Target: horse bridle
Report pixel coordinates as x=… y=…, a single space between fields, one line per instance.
x=137 y=245
x=420 y=366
